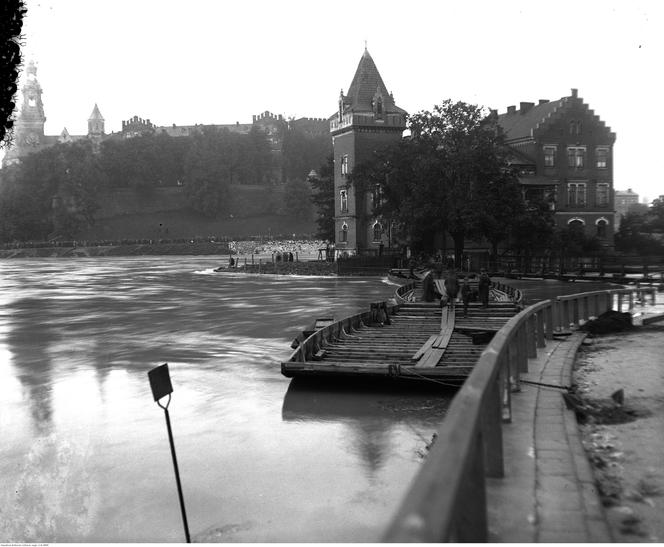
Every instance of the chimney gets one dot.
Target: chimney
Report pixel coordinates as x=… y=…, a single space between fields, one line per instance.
x=525 y=107
x=575 y=92
x=543 y=101
x=511 y=109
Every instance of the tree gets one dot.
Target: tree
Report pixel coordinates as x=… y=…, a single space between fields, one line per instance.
x=322 y=197
x=207 y=175
x=450 y=176
x=53 y=192
x=11 y=13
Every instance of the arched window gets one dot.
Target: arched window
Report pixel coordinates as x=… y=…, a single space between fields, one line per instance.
x=377 y=231
x=379 y=106
x=343 y=233
x=343 y=197
x=601 y=224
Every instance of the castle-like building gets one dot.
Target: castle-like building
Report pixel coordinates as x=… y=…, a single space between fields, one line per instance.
x=29 y=136
x=366 y=119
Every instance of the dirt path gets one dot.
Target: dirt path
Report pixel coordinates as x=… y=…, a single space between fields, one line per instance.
x=628 y=455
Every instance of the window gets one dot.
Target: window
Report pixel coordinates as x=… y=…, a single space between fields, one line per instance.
x=601 y=156
x=377 y=231
x=601 y=224
x=549 y=156
x=379 y=106
x=377 y=196
x=576 y=156
x=576 y=194
x=602 y=194
x=344 y=164
x=343 y=233
x=343 y=204
x=575 y=127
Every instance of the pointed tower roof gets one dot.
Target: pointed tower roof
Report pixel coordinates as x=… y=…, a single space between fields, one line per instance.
x=96 y=115
x=366 y=84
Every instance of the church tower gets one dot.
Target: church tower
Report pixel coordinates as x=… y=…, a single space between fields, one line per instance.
x=96 y=124
x=366 y=120
x=29 y=134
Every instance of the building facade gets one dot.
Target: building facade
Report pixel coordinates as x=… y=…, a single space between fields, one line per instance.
x=564 y=154
x=366 y=120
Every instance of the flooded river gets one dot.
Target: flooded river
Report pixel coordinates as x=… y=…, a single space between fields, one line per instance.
x=84 y=454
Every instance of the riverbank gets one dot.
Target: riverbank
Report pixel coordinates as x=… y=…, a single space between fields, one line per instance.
x=625 y=441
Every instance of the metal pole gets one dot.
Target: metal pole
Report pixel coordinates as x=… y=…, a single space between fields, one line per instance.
x=177 y=475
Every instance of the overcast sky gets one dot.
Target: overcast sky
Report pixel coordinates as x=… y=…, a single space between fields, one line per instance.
x=220 y=61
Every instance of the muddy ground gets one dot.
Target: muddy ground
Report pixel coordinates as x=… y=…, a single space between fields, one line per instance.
x=624 y=434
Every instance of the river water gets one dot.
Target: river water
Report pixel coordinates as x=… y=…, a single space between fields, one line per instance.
x=85 y=456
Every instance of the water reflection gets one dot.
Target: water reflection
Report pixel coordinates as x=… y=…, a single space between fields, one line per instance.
x=28 y=338
x=370 y=409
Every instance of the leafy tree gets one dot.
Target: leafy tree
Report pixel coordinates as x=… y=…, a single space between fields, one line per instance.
x=450 y=176
x=207 y=174
x=322 y=197
x=532 y=232
x=53 y=192
x=632 y=236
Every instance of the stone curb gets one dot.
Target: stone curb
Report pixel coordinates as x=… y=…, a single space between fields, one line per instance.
x=597 y=524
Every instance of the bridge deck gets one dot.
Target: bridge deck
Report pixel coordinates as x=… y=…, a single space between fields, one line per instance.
x=421 y=341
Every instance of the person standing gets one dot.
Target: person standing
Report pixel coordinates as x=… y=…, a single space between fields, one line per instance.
x=465 y=295
x=451 y=288
x=483 y=288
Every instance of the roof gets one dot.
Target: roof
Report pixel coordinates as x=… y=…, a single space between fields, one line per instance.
x=96 y=115
x=366 y=83
x=519 y=124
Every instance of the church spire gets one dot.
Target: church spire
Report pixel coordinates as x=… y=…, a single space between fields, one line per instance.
x=96 y=122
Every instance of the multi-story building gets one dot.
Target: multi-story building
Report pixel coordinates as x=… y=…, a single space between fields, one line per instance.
x=564 y=154
x=366 y=120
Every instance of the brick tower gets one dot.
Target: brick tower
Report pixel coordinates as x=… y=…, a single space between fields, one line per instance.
x=366 y=120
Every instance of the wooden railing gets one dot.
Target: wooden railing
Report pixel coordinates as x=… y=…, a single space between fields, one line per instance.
x=447 y=499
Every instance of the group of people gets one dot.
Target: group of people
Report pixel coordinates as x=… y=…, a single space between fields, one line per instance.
x=452 y=289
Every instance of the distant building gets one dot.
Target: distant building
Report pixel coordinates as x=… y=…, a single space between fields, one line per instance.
x=564 y=154
x=366 y=119
x=30 y=137
x=623 y=201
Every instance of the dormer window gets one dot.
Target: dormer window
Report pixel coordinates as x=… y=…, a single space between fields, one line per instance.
x=379 y=106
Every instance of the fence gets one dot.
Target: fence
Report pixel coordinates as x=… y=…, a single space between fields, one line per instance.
x=447 y=499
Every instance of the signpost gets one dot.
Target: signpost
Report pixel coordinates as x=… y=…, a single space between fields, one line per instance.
x=160 y=382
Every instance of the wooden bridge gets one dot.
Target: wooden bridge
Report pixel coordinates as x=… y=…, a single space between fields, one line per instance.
x=408 y=338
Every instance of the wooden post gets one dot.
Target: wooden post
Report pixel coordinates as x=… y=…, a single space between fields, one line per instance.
x=620 y=301
x=540 y=330
x=471 y=520
x=549 y=319
x=575 y=312
x=505 y=389
x=531 y=337
x=492 y=431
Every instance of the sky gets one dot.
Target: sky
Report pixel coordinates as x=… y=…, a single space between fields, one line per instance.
x=221 y=61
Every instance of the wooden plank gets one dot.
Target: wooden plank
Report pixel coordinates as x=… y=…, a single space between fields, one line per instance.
x=424 y=347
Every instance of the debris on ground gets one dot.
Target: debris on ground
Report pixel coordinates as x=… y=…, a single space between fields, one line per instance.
x=609 y=322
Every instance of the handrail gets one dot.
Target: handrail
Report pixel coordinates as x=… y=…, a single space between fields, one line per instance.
x=447 y=499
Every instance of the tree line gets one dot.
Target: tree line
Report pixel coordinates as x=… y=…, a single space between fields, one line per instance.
x=56 y=191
